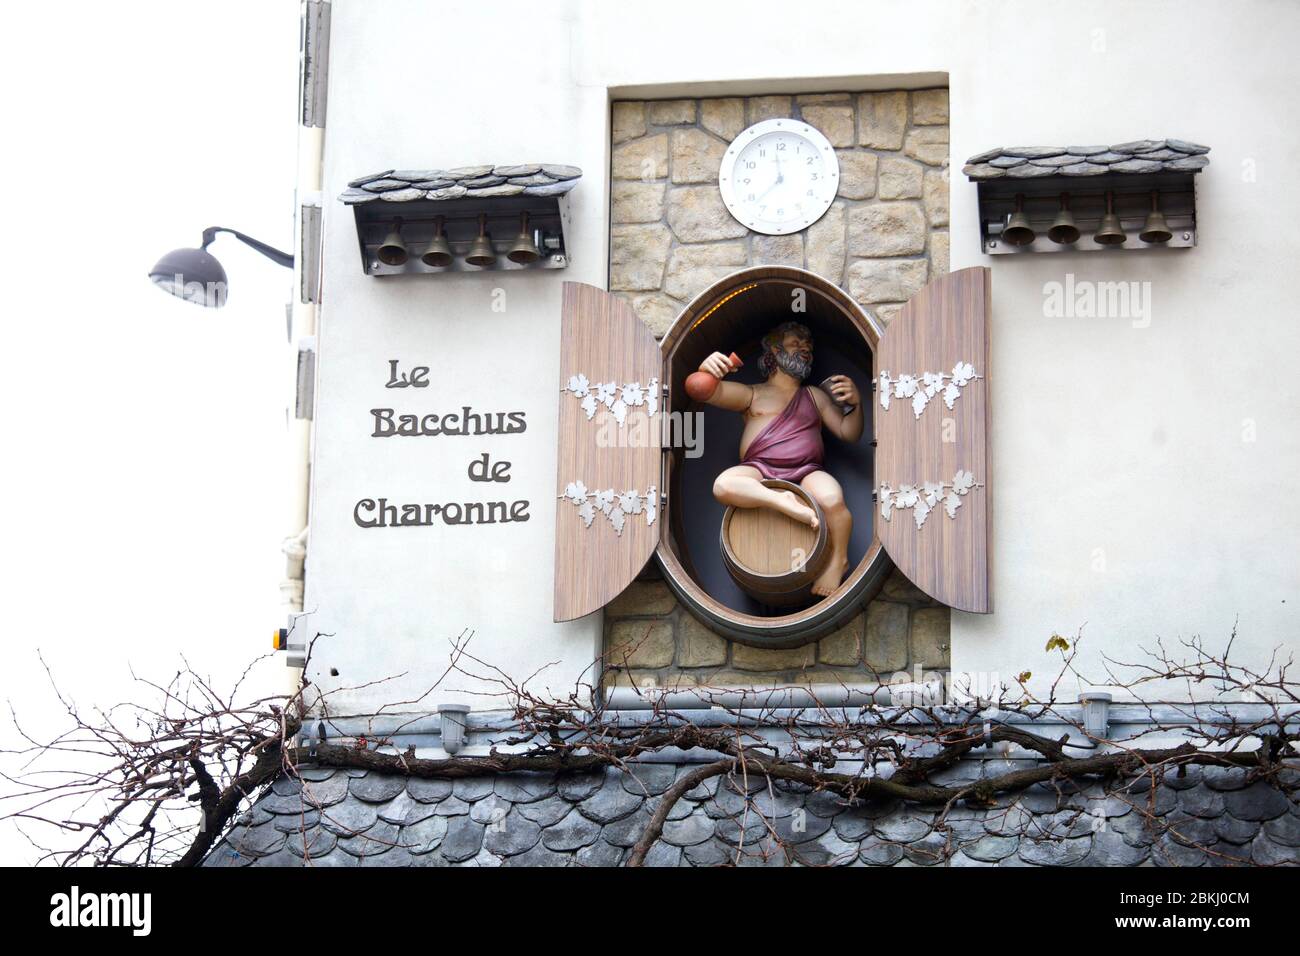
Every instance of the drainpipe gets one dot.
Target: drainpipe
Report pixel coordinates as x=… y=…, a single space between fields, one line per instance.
x=746 y=698
x=313 y=72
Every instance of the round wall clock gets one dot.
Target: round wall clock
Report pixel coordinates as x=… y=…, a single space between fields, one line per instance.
x=779 y=176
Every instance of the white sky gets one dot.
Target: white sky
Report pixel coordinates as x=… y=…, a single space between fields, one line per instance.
x=143 y=486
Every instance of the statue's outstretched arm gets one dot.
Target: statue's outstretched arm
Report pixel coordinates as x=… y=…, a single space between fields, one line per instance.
x=733 y=396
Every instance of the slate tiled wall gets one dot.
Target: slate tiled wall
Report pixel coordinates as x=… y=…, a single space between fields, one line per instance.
x=1210 y=816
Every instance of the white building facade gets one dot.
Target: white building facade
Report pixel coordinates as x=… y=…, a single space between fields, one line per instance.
x=1142 y=460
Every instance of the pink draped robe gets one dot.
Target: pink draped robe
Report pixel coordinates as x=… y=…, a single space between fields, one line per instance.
x=790 y=446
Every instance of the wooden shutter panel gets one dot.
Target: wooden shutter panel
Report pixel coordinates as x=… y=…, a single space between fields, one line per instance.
x=932 y=461
x=607 y=516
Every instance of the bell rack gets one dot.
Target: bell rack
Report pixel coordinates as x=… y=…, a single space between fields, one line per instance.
x=1040 y=201
x=417 y=221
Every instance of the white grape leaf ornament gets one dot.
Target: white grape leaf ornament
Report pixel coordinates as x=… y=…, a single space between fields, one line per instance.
x=616 y=506
x=617 y=398
x=925 y=386
x=927 y=496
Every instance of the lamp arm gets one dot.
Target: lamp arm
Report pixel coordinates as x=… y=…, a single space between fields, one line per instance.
x=275 y=255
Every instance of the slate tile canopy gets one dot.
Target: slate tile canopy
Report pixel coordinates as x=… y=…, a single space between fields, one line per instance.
x=1211 y=816
x=1137 y=157
x=463 y=182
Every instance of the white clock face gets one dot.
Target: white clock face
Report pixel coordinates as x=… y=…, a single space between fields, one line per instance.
x=779 y=176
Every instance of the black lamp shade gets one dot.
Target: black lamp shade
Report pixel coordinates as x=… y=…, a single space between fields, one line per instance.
x=193 y=275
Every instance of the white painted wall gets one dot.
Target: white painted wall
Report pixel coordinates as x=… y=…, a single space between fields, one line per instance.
x=1109 y=442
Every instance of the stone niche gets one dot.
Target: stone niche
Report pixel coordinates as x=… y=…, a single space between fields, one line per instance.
x=882 y=240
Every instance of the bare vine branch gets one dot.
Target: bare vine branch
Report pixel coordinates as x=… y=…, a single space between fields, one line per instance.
x=159 y=780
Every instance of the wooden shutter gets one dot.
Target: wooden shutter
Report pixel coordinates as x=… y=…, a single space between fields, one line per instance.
x=932 y=461
x=607 y=513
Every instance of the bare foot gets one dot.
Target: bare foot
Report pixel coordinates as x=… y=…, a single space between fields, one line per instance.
x=788 y=503
x=830 y=577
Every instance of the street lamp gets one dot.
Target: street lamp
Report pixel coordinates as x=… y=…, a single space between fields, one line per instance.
x=196 y=276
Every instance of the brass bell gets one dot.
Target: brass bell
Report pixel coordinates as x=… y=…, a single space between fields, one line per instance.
x=438 y=253
x=1017 y=231
x=1110 y=233
x=480 y=251
x=1063 y=231
x=392 y=251
x=1155 y=229
x=524 y=250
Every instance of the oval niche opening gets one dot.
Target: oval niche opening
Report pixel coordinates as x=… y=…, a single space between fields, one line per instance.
x=733 y=315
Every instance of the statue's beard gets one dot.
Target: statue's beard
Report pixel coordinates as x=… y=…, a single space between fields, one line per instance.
x=794 y=365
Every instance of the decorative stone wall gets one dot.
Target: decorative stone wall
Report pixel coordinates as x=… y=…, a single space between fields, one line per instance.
x=882 y=240
x=652 y=641
x=884 y=237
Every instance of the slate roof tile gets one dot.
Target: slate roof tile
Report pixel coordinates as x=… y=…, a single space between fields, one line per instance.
x=649 y=778
x=312 y=843
x=931 y=850
x=374 y=842
x=1226 y=778
x=486 y=180
x=1231 y=830
x=384 y=185
x=1139 y=156
x=879 y=853
x=1055 y=852
x=580 y=786
x=1265 y=852
x=546 y=812
x=1189 y=830
x=376 y=788
x=1169 y=852
x=852 y=826
x=1284 y=830
x=539 y=855
x=326 y=793
x=1109 y=848
x=1201 y=802
x=463 y=840
x=625 y=832
x=470 y=789
x=1033 y=152
x=511 y=835
x=903 y=827
x=350 y=816
x=611 y=802
x=316 y=774
x=1030 y=171
x=525 y=788
x=453 y=806
x=712 y=853
x=696 y=828
x=429 y=791
x=425 y=836
x=678 y=811
x=1256 y=803
x=990 y=848
x=663 y=854
x=575 y=830
x=491 y=809
x=289 y=822
x=255 y=841
x=599 y=853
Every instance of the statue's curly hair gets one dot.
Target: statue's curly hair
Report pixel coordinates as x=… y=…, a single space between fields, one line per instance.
x=774 y=340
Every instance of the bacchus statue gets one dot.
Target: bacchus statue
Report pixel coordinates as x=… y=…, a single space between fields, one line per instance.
x=783 y=439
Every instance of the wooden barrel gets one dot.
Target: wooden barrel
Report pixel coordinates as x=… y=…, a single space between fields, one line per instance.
x=771 y=557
